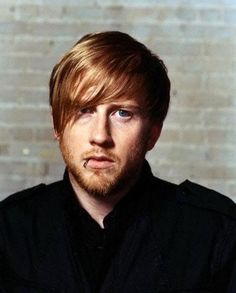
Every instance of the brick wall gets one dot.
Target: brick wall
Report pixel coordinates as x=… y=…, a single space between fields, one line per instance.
x=196 y=39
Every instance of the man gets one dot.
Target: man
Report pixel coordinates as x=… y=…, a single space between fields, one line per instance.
x=110 y=225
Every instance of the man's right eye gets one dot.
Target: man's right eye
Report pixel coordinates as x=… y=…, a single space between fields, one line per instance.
x=86 y=110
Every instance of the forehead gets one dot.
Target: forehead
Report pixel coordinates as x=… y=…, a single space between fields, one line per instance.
x=128 y=100
x=130 y=103
x=98 y=85
x=94 y=95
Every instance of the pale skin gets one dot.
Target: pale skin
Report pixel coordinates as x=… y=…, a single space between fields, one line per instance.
x=105 y=145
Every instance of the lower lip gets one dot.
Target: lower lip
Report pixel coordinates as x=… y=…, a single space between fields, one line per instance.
x=99 y=164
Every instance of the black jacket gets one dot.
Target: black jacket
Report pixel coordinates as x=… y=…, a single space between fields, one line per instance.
x=181 y=239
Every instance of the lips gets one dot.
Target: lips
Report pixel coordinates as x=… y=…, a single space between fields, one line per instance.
x=99 y=162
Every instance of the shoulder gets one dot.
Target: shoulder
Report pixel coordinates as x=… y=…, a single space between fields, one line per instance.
x=202 y=198
x=22 y=195
x=190 y=196
x=195 y=212
x=30 y=197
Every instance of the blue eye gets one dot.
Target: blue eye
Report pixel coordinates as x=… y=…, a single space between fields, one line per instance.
x=124 y=113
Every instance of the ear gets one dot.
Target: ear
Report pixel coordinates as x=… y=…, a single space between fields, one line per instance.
x=154 y=133
x=55 y=133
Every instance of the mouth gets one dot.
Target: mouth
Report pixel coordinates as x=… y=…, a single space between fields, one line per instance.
x=98 y=162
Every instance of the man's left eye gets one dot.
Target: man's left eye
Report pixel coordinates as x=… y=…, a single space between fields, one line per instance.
x=124 y=113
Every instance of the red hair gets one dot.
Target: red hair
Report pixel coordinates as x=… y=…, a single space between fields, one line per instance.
x=106 y=66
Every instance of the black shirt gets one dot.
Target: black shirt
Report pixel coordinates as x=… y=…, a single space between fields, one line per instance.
x=178 y=239
x=94 y=247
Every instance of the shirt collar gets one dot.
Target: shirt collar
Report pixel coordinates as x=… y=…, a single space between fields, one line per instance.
x=126 y=208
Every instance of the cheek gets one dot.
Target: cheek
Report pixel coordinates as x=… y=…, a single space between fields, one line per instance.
x=68 y=142
x=133 y=141
x=72 y=136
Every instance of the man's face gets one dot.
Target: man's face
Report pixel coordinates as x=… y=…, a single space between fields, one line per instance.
x=105 y=146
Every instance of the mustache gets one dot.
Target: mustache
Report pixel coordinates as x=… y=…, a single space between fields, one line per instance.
x=100 y=153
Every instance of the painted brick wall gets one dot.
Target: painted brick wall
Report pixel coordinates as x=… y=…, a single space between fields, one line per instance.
x=196 y=39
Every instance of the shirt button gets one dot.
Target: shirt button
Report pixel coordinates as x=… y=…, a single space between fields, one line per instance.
x=100 y=247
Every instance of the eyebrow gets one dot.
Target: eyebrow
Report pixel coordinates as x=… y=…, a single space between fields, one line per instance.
x=128 y=105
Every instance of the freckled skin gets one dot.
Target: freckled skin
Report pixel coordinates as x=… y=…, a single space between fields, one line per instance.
x=105 y=147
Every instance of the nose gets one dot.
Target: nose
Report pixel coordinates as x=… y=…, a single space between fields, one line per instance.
x=101 y=133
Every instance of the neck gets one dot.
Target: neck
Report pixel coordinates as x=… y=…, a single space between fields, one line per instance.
x=98 y=208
